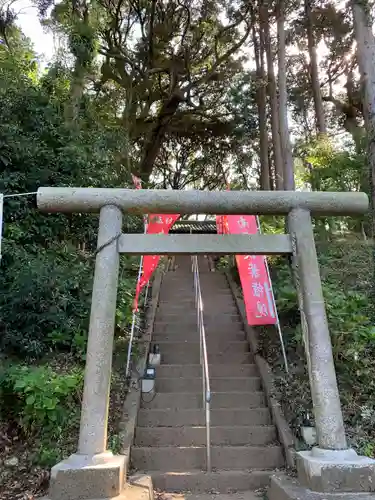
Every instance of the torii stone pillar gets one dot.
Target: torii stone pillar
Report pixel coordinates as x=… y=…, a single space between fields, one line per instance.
x=323 y=383
x=94 y=473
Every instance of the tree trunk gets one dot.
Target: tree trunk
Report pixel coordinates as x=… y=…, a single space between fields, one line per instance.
x=366 y=61
x=314 y=75
x=286 y=148
x=345 y=110
x=77 y=85
x=271 y=169
x=261 y=98
x=272 y=92
x=155 y=139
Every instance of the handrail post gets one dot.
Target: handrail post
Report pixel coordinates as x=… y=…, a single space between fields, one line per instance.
x=130 y=345
x=206 y=392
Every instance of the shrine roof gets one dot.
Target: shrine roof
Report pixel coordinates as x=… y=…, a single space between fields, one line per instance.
x=187 y=226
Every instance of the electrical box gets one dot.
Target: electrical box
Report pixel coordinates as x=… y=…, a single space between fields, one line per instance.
x=148 y=381
x=154 y=357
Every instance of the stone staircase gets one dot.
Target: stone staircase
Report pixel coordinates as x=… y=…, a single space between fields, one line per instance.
x=170 y=439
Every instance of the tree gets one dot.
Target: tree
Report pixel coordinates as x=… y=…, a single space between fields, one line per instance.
x=261 y=98
x=171 y=59
x=366 y=58
x=314 y=74
x=46 y=270
x=272 y=92
x=286 y=149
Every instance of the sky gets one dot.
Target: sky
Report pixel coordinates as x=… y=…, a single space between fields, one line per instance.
x=29 y=23
x=43 y=40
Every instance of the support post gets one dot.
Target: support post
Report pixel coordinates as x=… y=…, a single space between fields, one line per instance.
x=94 y=415
x=332 y=466
x=94 y=472
x=323 y=383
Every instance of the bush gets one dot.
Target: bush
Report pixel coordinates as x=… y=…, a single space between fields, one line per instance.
x=44 y=301
x=347 y=272
x=39 y=398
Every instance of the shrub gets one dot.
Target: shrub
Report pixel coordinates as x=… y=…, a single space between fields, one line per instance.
x=40 y=398
x=44 y=301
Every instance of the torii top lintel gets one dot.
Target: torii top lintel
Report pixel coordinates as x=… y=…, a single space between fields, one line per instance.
x=143 y=201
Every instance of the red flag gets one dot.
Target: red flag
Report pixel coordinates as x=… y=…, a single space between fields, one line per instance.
x=219 y=224
x=158 y=224
x=137 y=182
x=256 y=285
x=222 y=224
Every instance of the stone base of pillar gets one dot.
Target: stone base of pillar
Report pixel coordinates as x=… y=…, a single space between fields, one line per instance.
x=326 y=475
x=283 y=487
x=330 y=471
x=83 y=477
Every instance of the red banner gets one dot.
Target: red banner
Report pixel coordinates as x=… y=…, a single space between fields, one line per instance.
x=137 y=182
x=158 y=224
x=221 y=224
x=255 y=281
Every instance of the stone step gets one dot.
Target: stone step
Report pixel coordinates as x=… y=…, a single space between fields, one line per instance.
x=286 y=487
x=210 y=330
x=222 y=384
x=185 y=284
x=186 y=290
x=173 y=309
x=215 y=325
x=192 y=334
x=215 y=305
x=188 y=279
x=196 y=436
x=193 y=358
x=219 y=417
x=180 y=300
x=191 y=315
x=176 y=295
x=188 y=346
x=197 y=481
x=244 y=495
x=173 y=458
x=186 y=400
x=215 y=371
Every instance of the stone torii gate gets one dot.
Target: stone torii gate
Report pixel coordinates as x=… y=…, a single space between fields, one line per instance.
x=93 y=472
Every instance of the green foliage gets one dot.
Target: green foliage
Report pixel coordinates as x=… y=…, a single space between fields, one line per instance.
x=44 y=300
x=333 y=169
x=47 y=270
x=114 y=444
x=39 y=398
x=345 y=267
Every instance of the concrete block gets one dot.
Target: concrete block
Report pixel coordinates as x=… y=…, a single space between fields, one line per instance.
x=222 y=417
x=181 y=336
x=196 y=436
x=283 y=487
x=235 y=384
x=83 y=477
x=178 y=459
x=201 y=482
x=220 y=324
x=192 y=358
x=139 y=487
x=228 y=346
x=330 y=471
x=186 y=400
x=215 y=371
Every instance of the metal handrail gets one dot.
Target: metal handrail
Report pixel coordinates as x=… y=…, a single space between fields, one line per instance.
x=203 y=356
x=135 y=313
